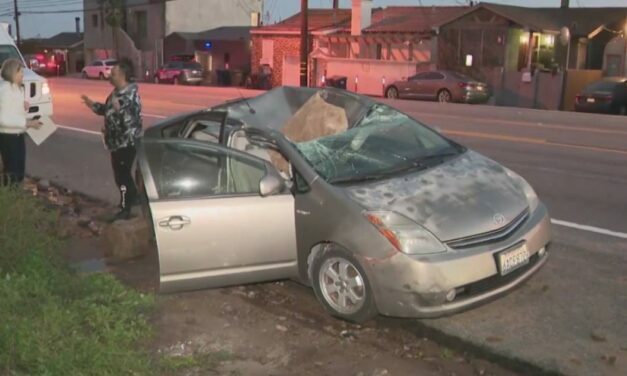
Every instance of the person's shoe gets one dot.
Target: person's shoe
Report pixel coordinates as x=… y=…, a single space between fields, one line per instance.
x=122 y=215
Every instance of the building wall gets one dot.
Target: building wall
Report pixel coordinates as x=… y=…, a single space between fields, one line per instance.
x=283 y=46
x=199 y=15
x=155 y=29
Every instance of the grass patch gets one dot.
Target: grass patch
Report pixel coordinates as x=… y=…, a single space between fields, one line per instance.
x=53 y=321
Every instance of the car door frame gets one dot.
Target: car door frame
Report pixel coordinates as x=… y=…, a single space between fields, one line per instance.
x=238 y=274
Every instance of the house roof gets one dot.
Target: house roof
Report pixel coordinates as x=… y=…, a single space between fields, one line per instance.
x=581 y=21
x=63 y=40
x=409 y=19
x=226 y=33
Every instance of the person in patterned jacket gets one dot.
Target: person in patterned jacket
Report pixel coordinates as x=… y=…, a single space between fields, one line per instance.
x=122 y=128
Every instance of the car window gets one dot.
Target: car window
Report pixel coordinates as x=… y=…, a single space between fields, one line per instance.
x=8 y=52
x=205 y=130
x=601 y=86
x=97 y=64
x=111 y=63
x=188 y=170
x=192 y=66
x=385 y=142
x=419 y=76
x=434 y=76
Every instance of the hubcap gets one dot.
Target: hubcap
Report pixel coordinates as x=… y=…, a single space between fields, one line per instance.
x=392 y=93
x=342 y=286
x=444 y=96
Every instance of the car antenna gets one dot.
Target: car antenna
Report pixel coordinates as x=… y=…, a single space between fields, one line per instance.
x=250 y=109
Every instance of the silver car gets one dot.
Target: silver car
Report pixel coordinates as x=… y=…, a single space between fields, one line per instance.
x=377 y=212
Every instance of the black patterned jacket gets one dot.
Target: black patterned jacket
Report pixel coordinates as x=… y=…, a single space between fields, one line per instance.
x=122 y=128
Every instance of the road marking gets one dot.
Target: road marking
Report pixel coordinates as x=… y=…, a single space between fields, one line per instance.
x=79 y=130
x=593 y=229
x=535 y=141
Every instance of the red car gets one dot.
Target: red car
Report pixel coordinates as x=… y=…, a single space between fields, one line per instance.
x=180 y=72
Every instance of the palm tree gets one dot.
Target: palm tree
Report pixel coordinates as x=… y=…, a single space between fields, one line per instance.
x=114 y=14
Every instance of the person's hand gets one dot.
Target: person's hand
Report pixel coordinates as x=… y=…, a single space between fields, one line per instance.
x=88 y=102
x=26 y=106
x=32 y=123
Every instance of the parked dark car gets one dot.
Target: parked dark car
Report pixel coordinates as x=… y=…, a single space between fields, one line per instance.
x=608 y=96
x=443 y=86
x=180 y=72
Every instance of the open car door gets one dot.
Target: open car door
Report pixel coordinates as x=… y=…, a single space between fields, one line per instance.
x=212 y=223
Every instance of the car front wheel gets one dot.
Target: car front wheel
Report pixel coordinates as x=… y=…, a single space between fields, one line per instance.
x=444 y=96
x=341 y=285
x=392 y=93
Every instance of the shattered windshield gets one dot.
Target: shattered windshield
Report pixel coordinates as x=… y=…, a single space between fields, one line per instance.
x=384 y=143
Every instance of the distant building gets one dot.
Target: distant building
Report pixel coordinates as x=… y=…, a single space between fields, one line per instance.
x=145 y=25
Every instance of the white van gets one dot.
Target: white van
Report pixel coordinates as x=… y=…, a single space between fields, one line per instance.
x=36 y=88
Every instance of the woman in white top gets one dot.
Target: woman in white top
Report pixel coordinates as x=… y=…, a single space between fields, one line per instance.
x=13 y=122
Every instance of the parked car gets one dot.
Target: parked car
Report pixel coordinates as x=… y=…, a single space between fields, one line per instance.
x=607 y=96
x=100 y=69
x=180 y=72
x=443 y=86
x=374 y=210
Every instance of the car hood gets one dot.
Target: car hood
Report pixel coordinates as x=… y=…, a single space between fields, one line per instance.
x=30 y=76
x=466 y=196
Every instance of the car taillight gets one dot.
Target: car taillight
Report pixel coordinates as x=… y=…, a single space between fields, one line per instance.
x=578 y=98
x=462 y=84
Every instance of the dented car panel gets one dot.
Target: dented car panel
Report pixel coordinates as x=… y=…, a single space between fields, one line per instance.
x=434 y=227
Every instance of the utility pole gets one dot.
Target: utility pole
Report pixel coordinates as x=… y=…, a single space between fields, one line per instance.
x=336 y=4
x=17 y=23
x=304 y=43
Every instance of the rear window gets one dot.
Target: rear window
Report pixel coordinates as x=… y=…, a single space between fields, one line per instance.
x=460 y=76
x=602 y=86
x=110 y=63
x=192 y=66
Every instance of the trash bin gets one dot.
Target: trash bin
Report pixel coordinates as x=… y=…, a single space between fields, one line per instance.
x=337 y=82
x=223 y=77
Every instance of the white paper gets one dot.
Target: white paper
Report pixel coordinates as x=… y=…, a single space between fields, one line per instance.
x=40 y=135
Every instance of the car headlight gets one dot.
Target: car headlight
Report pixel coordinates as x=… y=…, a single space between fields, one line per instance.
x=404 y=234
x=532 y=197
x=45 y=89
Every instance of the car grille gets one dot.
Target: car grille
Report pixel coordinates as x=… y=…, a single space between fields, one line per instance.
x=492 y=236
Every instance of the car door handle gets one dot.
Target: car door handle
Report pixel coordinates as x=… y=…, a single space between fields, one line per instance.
x=176 y=222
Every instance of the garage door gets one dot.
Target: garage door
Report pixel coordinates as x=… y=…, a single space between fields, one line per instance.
x=291 y=73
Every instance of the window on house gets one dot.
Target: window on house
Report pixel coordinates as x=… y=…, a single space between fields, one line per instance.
x=94 y=20
x=141 y=24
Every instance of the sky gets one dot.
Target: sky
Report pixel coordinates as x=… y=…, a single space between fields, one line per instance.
x=49 y=24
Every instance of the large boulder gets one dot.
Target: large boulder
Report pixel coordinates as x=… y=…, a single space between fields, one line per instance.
x=126 y=240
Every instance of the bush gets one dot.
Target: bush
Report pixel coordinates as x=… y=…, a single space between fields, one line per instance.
x=53 y=321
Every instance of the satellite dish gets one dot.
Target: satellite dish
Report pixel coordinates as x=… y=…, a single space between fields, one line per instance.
x=564 y=35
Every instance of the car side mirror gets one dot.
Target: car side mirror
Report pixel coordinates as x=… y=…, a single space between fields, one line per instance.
x=271 y=185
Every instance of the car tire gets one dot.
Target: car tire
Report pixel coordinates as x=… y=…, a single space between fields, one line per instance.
x=391 y=93
x=84 y=75
x=342 y=286
x=444 y=96
x=156 y=80
x=101 y=76
x=176 y=81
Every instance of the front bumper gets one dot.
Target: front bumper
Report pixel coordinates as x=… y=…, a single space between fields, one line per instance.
x=417 y=286
x=192 y=80
x=476 y=97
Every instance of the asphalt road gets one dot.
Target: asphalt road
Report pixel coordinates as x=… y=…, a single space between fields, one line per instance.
x=576 y=162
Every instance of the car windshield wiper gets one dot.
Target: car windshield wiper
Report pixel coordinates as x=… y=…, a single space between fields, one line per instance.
x=358 y=178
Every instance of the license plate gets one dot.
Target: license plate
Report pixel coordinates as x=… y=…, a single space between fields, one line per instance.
x=513 y=259
x=590 y=100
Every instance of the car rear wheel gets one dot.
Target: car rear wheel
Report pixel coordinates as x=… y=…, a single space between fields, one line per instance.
x=392 y=93
x=176 y=81
x=341 y=285
x=444 y=96
x=101 y=76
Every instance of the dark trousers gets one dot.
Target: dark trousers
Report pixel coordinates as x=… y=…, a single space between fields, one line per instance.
x=13 y=151
x=122 y=162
